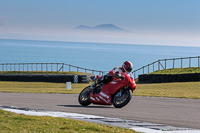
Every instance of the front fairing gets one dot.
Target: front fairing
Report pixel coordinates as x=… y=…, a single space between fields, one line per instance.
x=130 y=82
x=113 y=86
x=117 y=83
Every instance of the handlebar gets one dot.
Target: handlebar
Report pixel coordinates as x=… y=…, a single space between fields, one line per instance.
x=118 y=76
x=112 y=73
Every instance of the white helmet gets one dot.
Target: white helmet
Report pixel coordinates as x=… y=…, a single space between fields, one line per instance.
x=127 y=66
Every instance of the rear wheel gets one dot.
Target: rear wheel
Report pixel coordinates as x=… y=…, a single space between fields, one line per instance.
x=122 y=98
x=84 y=96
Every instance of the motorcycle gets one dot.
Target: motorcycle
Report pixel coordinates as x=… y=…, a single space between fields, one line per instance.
x=117 y=92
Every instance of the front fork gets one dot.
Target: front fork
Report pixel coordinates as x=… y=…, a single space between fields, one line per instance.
x=121 y=92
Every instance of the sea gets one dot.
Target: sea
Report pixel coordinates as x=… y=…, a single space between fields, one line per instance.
x=97 y=56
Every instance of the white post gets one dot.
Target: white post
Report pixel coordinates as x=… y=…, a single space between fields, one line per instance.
x=68 y=85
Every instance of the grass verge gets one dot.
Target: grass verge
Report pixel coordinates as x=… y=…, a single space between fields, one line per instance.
x=40 y=87
x=178 y=70
x=11 y=122
x=178 y=90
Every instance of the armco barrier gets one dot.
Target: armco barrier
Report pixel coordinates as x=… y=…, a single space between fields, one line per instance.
x=163 y=78
x=46 y=78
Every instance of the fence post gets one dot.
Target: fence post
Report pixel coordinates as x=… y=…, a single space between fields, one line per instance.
x=3 y=67
x=158 y=64
x=199 y=61
x=32 y=67
x=42 y=67
x=100 y=73
x=173 y=63
x=15 y=67
x=36 y=66
x=46 y=67
x=52 y=67
x=153 y=66
x=57 y=67
x=27 y=66
x=69 y=68
x=134 y=74
x=165 y=64
x=189 y=61
x=10 y=67
x=77 y=69
x=143 y=69
x=148 y=68
x=63 y=67
x=181 y=62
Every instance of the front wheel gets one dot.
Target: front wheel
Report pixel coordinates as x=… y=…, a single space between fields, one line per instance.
x=122 y=98
x=84 y=96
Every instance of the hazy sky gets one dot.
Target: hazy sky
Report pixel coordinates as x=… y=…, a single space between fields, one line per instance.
x=160 y=22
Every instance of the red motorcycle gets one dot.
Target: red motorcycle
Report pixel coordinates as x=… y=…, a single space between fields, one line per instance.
x=118 y=91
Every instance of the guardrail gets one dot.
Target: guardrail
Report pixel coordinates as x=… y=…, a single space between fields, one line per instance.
x=46 y=67
x=167 y=64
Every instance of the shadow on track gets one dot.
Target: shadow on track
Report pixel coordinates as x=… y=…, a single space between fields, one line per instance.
x=80 y=106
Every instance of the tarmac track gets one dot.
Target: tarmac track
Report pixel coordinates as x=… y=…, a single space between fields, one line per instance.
x=171 y=111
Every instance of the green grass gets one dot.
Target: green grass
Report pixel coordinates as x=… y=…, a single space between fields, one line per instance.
x=48 y=73
x=178 y=90
x=11 y=122
x=178 y=71
x=40 y=87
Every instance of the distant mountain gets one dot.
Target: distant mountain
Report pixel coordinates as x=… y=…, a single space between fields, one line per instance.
x=83 y=27
x=102 y=27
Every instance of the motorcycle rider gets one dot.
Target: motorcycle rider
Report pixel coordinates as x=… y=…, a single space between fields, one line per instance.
x=126 y=67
